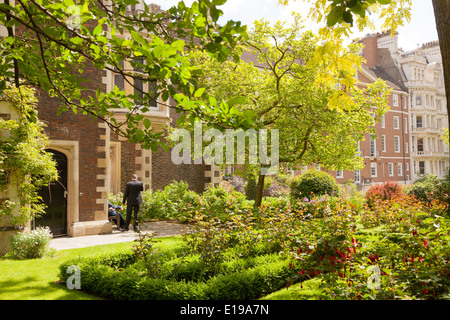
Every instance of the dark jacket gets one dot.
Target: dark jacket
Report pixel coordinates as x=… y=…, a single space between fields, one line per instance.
x=111 y=207
x=132 y=193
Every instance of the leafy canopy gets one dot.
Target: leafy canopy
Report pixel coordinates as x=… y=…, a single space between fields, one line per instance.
x=56 y=42
x=316 y=104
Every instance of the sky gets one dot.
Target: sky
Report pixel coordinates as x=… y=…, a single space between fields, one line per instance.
x=421 y=29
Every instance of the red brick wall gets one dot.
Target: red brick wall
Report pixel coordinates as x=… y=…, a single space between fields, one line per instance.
x=164 y=171
x=69 y=126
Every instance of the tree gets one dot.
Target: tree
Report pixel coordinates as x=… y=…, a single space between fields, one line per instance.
x=55 y=41
x=341 y=15
x=23 y=159
x=318 y=110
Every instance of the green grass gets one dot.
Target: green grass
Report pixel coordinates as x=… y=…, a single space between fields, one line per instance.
x=36 y=279
x=307 y=290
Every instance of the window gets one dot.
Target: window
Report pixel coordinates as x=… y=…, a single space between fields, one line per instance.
x=136 y=87
x=419 y=121
x=418 y=100
x=420 y=144
x=373 y=146
x=407 y=167
x=406 y=125
x=339 y=174
x=396 y=124
x=383 y=143
x=406 y=148
x=140 y=87
x=357 y=176
x=383 y=121
x=391 y=169
x=421 y=167
x=373 y=118
x=119 y=80
x=400 y=169
x=395 y=100
x=404 y=103
x=396 y=144
x=373 y=169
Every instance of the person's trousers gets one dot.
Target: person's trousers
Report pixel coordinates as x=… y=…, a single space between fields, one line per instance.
x=120 y=222
x=130 y=210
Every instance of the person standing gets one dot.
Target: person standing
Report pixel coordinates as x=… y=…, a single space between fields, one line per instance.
x=133 y=198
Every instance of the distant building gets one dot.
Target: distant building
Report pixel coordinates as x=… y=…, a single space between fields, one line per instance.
x=425 y=80
x=408 y=142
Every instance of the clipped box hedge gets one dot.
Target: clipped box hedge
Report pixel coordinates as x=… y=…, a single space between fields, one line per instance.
x=104 y=277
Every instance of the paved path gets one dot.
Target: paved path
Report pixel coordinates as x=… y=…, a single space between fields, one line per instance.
x=161 y=228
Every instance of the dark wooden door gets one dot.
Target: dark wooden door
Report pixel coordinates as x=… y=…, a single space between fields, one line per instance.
x=55 y=198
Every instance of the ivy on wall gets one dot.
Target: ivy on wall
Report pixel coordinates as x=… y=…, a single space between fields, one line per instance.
x=23 y=159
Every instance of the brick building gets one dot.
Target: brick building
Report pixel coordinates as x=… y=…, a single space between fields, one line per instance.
x=408 y=142
x=93 y=161
x=387 y=154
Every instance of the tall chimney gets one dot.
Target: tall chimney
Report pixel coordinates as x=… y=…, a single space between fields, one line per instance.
x=370 y=51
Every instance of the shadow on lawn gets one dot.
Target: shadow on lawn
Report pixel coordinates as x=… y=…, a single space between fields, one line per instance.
x=32 y=288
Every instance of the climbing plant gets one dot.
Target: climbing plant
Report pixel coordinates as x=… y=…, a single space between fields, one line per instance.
x=24 y=163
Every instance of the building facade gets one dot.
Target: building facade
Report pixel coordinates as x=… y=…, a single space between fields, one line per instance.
x=408 y=142
x=94 y=162
x=424 y=78
x=386 y=154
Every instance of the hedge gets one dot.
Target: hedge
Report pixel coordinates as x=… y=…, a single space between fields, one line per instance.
x=100 y=276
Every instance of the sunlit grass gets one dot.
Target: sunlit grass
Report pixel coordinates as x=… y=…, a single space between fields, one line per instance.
x=36 y=279
x=307 y=290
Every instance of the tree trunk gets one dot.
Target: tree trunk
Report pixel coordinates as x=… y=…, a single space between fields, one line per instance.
x=259 y=191
x=442 y=16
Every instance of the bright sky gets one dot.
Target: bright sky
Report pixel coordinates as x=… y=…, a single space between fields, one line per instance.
x=421 y=29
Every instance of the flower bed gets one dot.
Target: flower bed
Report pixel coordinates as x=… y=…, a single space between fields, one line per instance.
x=396 y=248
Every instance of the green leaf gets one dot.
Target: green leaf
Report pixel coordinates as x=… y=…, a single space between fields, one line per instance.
x=348 y=17
x=76 y=40
x=147 y=123
x=236 y=100
x=97 y=30
x=199 y=92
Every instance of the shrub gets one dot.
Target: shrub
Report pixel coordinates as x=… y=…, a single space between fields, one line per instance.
x=266 y=276
x=314 y=183
x=386 y=191
x=170 y=203
x=116 y=199
x=442 y=193
x=31 y=244
x=424 y=187
x=223 y=201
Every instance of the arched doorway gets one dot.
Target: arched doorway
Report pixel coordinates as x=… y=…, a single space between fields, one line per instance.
x=55 y=198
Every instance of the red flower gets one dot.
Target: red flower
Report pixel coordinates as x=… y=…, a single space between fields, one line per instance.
x=425 y=243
